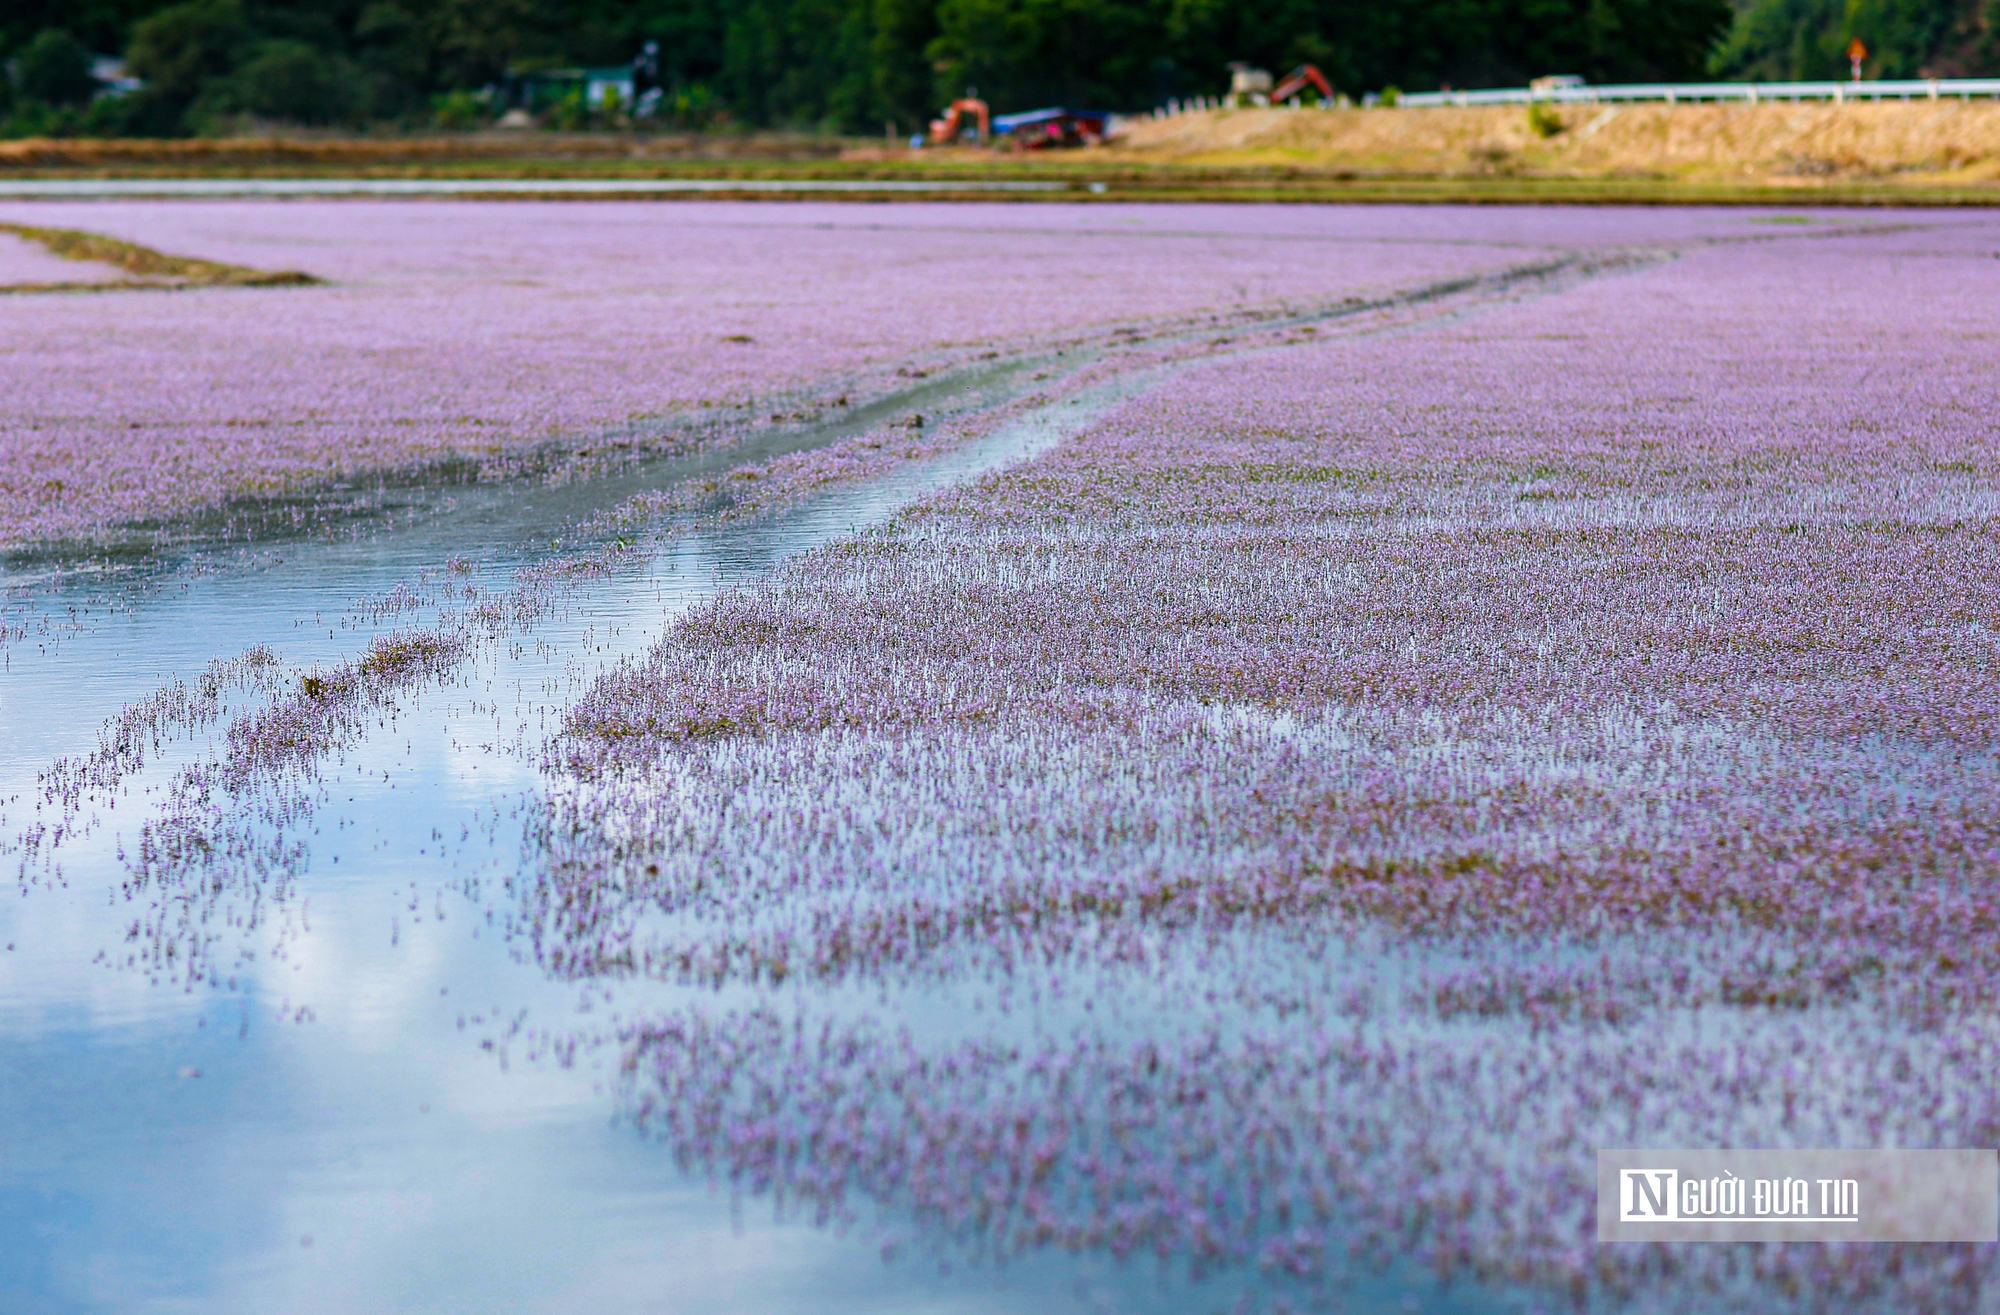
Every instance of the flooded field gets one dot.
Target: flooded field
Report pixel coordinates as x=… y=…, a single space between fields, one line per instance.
x=980 y=757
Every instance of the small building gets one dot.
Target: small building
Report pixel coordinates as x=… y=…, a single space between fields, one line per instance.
x=600 y=88
x=108 y=71
x=1248 y=85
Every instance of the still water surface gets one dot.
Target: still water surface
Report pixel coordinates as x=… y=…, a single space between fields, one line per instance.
x=349 y=1117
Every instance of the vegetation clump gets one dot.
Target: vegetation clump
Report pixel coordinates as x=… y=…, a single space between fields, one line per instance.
x=149 y=268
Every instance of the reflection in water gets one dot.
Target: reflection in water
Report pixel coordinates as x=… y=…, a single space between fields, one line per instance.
x=1018 y=860
x=289 y=1100
x=313 y=1122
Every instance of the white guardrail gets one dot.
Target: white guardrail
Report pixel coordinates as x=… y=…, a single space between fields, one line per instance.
x=1751 y=93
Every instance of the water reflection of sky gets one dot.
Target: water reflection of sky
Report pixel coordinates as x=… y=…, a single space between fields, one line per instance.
x=334 y=1133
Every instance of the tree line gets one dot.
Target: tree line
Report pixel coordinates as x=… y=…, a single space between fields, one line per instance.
x=871 y=65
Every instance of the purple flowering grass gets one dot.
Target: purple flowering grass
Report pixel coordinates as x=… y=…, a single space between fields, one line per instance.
x=1283 y=830
x=471 y=332
x=1294 y=824
x=26 y=262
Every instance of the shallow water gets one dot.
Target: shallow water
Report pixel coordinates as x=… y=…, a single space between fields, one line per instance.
x=345 y=1117
x=355 y=1105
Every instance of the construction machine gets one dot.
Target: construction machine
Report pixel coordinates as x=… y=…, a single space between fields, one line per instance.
x=946 y=130
x=1298 y=80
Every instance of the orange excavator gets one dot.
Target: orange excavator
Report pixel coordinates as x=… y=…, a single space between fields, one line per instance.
x=946 y=130
x=1297 y=81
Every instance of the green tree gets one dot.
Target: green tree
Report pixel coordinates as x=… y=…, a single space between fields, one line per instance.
x=474 y=42
x=394 y=54
x=178 y=52
x=1021 y=53
x=900 y=63
x=54 y=69
x=1806 y=39
x=102 y=26
x=799 y=63
x=1902 y=36
x=291 y=82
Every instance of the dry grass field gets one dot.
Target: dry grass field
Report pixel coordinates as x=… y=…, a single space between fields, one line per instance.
x=1921 y=142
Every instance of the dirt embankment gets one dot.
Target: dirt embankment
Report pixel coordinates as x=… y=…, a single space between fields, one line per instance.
x=308 y=150
x=1927 y=141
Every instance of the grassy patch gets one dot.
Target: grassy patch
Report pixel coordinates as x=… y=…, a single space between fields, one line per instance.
x=149 y=268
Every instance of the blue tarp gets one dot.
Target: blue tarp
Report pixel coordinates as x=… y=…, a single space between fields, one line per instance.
x=1029 y=118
